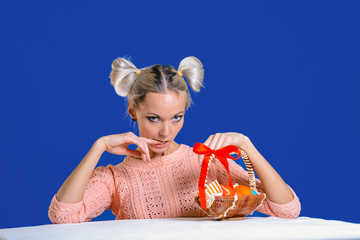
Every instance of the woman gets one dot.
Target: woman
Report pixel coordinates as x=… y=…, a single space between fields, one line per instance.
x=157 y=179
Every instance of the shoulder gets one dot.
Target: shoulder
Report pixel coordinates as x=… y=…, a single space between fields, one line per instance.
x=187 y=151
x=101 y=171
x=111 y=175
x=107 y=173
x=191 y=157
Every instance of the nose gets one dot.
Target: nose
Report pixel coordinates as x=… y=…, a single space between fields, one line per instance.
x=165 y=130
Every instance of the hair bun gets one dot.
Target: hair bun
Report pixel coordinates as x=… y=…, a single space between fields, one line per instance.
x=192 y=69
x=122 y=76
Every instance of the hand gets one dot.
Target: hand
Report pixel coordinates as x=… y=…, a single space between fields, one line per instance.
x=220 y=140
x=118 y=143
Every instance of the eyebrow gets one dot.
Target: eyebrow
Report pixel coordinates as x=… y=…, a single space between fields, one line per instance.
x=159 y=116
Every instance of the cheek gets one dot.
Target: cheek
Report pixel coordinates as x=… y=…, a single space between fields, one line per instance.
x=178 y=127
x=146 y=128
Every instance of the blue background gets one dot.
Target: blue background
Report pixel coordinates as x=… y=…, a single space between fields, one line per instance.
x=284 y=73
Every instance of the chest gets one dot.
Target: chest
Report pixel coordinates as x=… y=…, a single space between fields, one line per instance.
x=164 y=192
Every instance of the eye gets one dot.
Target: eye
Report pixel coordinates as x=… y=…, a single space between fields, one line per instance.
x=177 y=118
x=153 y=119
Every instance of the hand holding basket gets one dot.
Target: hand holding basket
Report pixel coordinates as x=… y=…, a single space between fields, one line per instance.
x=221 y=207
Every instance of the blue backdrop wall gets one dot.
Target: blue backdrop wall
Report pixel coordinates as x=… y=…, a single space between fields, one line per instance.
x=285 y=73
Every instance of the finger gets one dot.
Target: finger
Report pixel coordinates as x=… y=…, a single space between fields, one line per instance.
x=150 y=141
x=134 y=153
x=208 y=141
x=214 y=141
x=220 y=142
x=144 y=157
x=145 y=149
x=142 y=146
x=227 y=140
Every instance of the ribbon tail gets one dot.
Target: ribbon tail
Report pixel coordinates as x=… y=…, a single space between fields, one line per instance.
x=223 y=154
x=225 y=163
x=202 y=179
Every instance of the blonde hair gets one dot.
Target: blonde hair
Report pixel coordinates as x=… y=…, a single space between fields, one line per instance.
x=135 y=83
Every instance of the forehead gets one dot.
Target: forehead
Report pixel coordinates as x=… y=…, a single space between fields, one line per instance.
x=163 y=103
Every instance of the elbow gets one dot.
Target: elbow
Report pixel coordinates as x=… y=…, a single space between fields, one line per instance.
x=291 y=211
x=57 y=217
x=54 y=218
x=297 y=210
x=290 y=215
x=60 y=213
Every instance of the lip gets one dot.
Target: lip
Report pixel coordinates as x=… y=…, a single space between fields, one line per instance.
x=162 y=144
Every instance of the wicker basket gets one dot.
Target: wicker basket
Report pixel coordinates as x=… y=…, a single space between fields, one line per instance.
x=234 y=207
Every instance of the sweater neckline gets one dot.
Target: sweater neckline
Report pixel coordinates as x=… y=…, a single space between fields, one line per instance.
x=158 y=161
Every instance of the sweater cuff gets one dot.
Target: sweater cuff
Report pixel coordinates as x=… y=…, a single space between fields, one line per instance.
x=60 y=212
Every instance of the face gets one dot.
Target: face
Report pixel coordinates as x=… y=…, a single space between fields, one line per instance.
x=160 y=116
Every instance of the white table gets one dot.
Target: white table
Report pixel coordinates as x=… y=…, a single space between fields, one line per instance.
x=191 y=228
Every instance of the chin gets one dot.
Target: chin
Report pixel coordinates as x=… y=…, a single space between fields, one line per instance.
x=159 y=149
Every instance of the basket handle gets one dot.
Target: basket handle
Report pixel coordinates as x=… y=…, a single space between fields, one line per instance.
x=250 y=169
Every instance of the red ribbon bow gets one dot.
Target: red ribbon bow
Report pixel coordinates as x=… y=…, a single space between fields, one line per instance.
x=222 y=154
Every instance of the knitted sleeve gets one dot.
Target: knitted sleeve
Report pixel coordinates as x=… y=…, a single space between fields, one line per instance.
x=240 y=176
x=97 y=198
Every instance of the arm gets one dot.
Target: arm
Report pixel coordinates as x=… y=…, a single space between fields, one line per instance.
x=281 y=200
x=80 y=198
x=97 y=197
x=277 y=191
x=240 y=176
x=72 y=190
x=274 y=186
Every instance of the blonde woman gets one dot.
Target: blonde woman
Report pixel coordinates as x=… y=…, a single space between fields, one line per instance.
x=157 y=179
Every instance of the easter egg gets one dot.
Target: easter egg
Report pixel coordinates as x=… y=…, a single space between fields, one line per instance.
x=227 y=190
x=243 y=190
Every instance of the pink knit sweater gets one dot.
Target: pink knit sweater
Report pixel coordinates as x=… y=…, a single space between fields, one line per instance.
x=162 y=188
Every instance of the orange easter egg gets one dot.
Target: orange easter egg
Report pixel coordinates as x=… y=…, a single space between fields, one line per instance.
x=242 y=190
x=227 y=190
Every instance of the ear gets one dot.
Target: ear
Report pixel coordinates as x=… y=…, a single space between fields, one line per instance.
x=131 y=111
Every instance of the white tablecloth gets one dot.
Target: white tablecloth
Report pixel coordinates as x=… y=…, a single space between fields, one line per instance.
x=191 y=228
